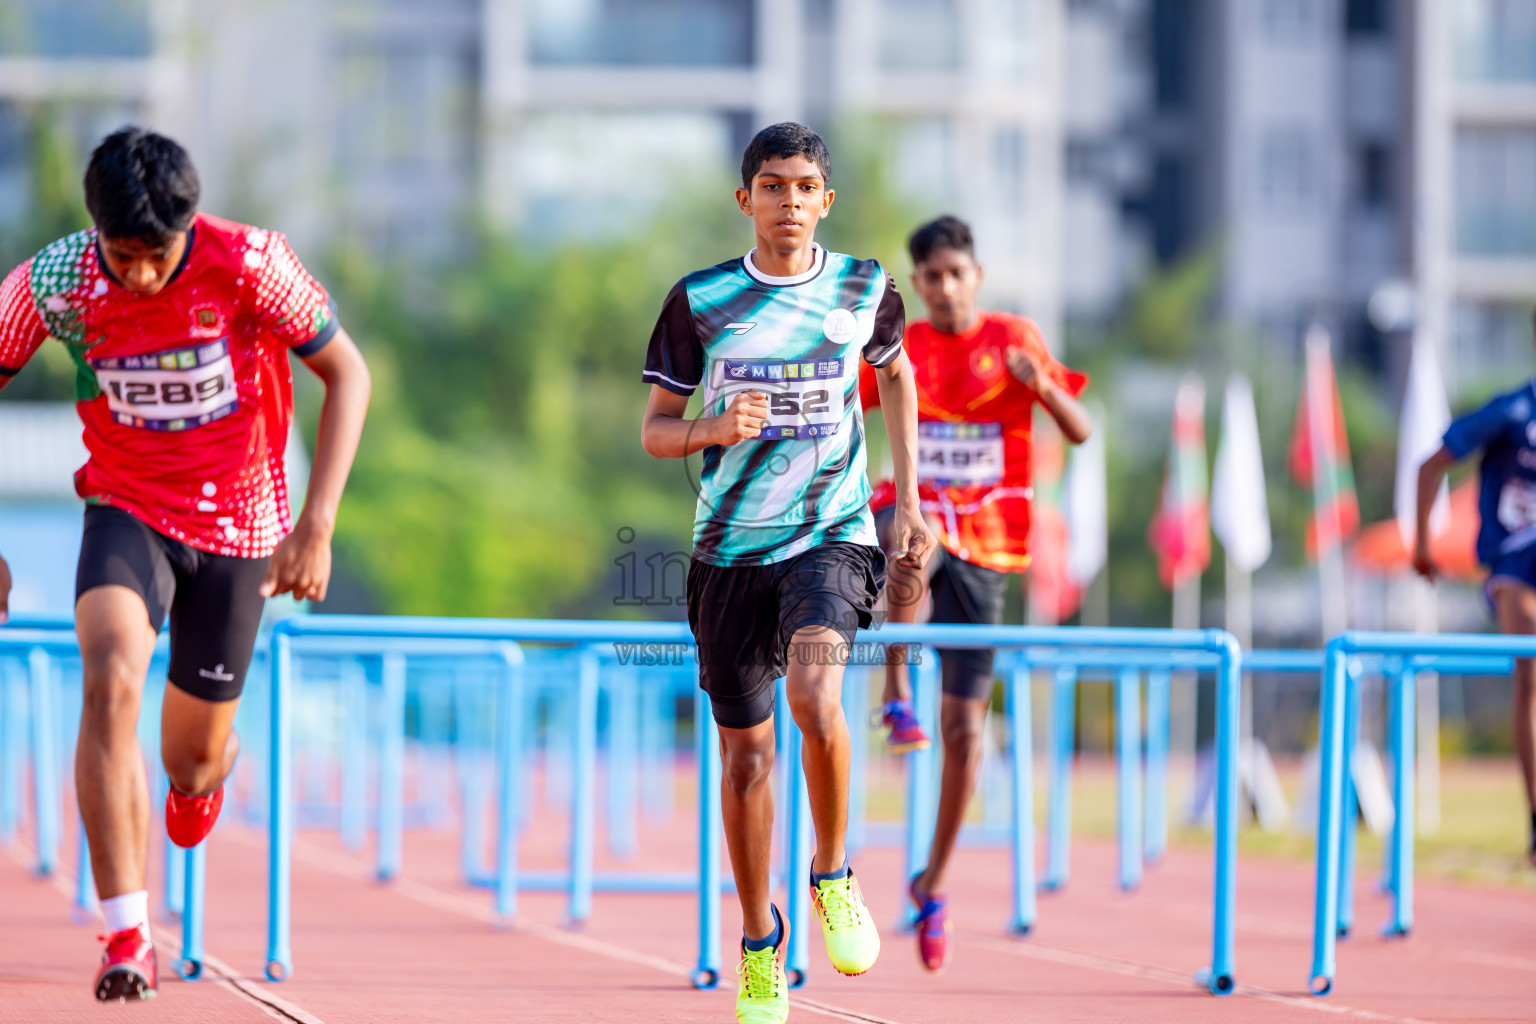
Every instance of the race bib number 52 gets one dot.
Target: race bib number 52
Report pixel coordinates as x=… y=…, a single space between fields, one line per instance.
x=805 y=397
x=174 y=390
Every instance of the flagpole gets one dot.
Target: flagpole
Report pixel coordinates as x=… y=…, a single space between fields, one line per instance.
x=1330 y=560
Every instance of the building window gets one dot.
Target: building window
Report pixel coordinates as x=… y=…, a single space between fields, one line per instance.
x=1287 y=170
x=1008 y=170
x=1496 y=40
x=1372 y=175
x=573 y=168
x=708 y=33
x=1496 y=192
x=1366 y=17
x=919 y=35
x=1173 y=33
x=1491 y=338
x=75 y=28
x=1289 y=21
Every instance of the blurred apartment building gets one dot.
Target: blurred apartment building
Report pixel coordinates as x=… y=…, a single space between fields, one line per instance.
x=1327 y=147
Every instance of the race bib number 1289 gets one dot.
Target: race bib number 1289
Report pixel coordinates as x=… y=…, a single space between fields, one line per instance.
x=174 y=390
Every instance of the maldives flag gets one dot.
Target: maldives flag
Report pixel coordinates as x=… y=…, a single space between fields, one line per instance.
x=1053 y=595
x=1319 y=455
x=1180 y=534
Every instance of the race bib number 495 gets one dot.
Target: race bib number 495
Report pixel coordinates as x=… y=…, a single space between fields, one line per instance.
x=175 y=390
x=805 y=397
x=959 y=454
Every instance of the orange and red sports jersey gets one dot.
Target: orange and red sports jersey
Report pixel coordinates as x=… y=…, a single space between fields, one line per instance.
x=185 y=395
x=975 y=438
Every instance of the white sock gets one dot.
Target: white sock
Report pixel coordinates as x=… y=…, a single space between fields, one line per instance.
x=130 y=910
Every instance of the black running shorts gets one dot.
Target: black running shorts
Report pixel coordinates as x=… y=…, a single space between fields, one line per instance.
x=967 y=593
x=214 y=601
x=744 y=616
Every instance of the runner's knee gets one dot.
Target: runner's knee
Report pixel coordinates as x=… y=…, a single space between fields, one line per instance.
x=817 y=711
x=745 y=768
x=110 y=697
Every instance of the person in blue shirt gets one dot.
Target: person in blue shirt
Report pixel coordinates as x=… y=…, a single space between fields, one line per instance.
x=1504 y=431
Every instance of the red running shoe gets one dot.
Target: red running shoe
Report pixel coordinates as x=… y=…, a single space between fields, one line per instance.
x=128 y=969
x=903 y=733
x=189 y=819
x=932 y=927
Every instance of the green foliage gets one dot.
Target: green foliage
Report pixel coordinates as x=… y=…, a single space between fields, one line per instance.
x=1168 y=316
x=56 y=208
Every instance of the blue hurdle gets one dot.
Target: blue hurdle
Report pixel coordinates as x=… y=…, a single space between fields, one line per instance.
x=1421 y=652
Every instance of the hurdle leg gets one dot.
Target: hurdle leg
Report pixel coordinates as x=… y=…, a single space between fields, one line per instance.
x=392 y=770
x=509 y=782
x=279 y=966
x=622 y=790
x=45 y=762
x=190 y=964
x=1059 y=813
x=1229 y=699
x=1023 y=803
x=921 y=805
x=1155 y=836
x=707 y=974
x=354 y=756
x=1350 y=833
x=1329 y=806
x=797 y=862
x=1128 y=774
x=583 y=789
x=1404 y=718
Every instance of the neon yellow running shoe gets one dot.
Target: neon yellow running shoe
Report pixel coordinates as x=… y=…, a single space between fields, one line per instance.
x=853 y=944
x=762 y=990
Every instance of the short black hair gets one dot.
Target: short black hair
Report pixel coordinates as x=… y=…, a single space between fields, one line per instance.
x=944 y=232
x=141 y=185
x=781 y=140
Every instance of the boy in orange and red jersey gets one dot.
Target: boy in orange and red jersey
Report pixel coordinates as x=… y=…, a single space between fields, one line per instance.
x=979 y=376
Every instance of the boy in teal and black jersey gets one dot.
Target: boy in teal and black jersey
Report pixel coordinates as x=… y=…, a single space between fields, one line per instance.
x=786 y=566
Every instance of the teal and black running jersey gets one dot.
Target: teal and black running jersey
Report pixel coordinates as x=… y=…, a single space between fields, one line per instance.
x=797 y=340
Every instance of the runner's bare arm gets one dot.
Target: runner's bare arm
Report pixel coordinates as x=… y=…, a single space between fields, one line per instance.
x=911 y=541
x=667 y=433
x=301 y=565
x=1075 y=423
x=1430 y=474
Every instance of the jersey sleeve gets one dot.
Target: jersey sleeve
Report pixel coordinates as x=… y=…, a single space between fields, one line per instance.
x=21 y=326
x=1476 y=429
x=1071 y=381
x=675 y=358
x=884 y=344
x=287 y=302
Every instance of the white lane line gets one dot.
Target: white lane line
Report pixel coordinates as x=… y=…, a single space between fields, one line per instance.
x=225 y=977
x=1033 y=949
x=476 y=909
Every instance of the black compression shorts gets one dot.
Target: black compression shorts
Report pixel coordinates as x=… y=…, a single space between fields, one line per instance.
x=214 y=601
x=744 y=616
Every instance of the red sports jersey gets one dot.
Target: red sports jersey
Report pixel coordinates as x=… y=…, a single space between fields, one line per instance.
x=186 y=395
x=975 y=435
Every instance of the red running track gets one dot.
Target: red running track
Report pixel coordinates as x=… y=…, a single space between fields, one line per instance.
x=422 y=948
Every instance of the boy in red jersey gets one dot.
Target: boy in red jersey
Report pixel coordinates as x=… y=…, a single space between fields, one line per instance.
x=180 y=325
x=979 y=376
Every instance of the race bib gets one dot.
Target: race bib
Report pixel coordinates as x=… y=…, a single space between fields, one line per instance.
x=1517 y=505
x=175 y=390
x=805 y=397
x=959 y=454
